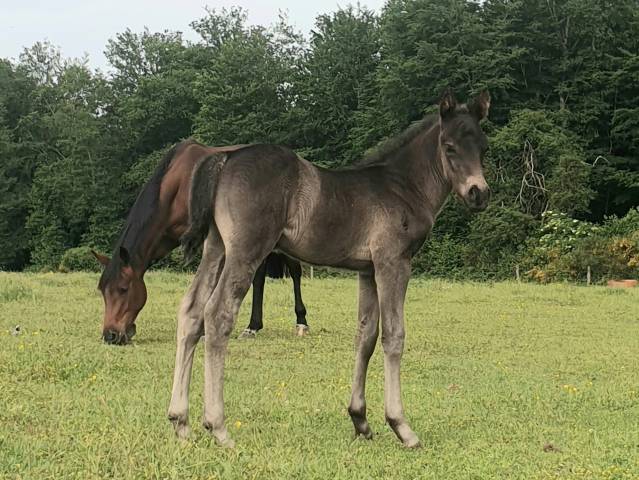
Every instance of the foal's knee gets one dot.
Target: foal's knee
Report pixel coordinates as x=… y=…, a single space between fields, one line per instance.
x=393 y=344
x=190 y=324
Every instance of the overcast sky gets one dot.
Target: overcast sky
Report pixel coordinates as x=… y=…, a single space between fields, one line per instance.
x=79 y=26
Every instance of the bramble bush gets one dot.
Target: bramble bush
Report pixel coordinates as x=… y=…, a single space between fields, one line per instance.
x=567 y=247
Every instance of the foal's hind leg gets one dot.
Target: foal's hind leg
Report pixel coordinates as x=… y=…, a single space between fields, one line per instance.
x=190 y=328
x=219 y=317
x=295 y=270
x=367 y=331
x=255 y=323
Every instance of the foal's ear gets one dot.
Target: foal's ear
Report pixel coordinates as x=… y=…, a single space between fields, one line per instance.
x=447 y=104
x=103 y=259
x=481 y=105
x=124 y=256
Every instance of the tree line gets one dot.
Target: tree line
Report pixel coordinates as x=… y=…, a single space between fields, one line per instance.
x=77 y=144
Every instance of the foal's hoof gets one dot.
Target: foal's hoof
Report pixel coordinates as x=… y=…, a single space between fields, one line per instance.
x=181 y=428
x=247 y=333
x=220 y=435
x=301 y=330
x=366 y=434
x=226 y=443
x=412 y=442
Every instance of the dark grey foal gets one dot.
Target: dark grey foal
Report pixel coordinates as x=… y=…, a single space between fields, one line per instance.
x=371 y=218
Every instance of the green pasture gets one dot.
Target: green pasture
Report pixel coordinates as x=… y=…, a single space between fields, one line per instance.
x=499 y=381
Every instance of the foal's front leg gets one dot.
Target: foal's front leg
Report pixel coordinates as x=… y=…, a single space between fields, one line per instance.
x=367 y=331
x=392 y=280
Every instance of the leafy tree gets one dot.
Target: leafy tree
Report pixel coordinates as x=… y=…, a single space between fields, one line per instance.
x=76 y=145
x=338 y=69
x=245 y=92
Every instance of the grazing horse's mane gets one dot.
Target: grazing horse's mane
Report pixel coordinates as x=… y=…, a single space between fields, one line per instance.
x=385 y=151
x=141 y=214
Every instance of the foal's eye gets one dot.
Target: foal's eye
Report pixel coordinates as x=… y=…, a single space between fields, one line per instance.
x=123 y=290
x=450 y=149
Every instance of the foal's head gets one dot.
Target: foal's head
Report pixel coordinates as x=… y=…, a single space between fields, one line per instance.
x=124 y=294
x=463 y=144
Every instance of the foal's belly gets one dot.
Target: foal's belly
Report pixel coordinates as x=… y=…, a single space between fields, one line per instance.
x=326 y=248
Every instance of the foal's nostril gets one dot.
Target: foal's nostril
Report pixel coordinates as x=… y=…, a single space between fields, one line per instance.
x=110 y=336
x=474 y=195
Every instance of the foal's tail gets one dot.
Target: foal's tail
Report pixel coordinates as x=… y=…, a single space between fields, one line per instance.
x=203 y=184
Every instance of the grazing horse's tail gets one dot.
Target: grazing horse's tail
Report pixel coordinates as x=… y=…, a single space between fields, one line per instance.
x=203 y=184
x=276 y=265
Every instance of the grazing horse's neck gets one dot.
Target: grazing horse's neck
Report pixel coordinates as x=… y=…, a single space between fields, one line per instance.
x=156 y=235
x=158 y=244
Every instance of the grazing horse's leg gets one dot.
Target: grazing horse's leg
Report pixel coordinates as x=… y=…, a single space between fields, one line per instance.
x=295 y=270
x=190 y=328
x=367 y=331
x=220 y=313
x=255 y=322
x=392 y=280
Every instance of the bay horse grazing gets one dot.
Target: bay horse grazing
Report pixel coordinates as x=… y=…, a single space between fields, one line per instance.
x=371 y=218
x=153 y=228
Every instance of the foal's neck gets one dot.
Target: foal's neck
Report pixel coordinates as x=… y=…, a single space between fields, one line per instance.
x=419 y=164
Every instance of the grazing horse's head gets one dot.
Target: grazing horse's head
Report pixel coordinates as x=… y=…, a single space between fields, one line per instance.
x=463 y=144
x=124 y=294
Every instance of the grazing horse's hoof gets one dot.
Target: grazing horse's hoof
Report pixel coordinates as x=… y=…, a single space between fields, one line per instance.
x=247 y=333
x=301 y=330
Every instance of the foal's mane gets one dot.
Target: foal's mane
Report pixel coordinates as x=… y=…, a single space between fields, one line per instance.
x=385 y=151
x=141 y=214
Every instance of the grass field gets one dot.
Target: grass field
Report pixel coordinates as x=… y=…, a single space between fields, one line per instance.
x=500 y=381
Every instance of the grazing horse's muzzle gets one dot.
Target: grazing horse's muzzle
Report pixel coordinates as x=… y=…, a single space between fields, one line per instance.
x=113 y=337
x=477 y=199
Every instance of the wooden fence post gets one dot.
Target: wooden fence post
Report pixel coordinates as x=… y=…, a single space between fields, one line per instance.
x=588 y=276
x=517 y=273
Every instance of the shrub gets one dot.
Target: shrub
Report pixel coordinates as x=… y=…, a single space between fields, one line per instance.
x=496 y=240
x=78 y=259
x=174 y=261
x=441 y=256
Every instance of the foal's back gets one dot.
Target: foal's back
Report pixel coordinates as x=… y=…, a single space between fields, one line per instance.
x=316 y=215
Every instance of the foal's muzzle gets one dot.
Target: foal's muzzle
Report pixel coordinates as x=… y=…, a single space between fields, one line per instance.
x=477 y=199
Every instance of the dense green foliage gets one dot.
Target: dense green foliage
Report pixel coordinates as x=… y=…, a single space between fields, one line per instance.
x=76 y=145
x=500 y=381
